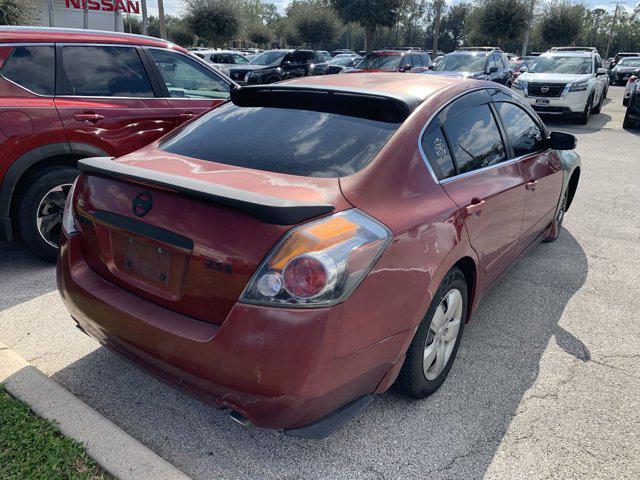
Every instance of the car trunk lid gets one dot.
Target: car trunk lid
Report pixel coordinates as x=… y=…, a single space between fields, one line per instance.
x=188 y=234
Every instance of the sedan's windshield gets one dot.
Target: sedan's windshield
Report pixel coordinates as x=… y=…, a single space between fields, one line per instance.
x=461 y=63
x=629 y=62
x=269 y=58
x=570 y=65
x=380 y=61
x=341 y=61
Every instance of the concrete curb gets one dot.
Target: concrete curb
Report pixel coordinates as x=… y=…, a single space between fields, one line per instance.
x=116 y=451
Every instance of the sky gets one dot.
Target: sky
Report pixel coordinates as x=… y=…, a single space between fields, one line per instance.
x=175 y=7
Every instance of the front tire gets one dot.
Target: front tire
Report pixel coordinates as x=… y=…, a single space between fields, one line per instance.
x=40 y=210
x=435 y=344
x=583 y=118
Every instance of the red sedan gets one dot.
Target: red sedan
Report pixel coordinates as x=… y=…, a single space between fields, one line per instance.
x=309 y=244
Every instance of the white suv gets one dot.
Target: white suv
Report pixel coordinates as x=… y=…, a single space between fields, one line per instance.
x=565 y=82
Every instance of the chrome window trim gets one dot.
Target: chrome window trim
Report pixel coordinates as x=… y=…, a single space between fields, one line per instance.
x=26 y=89
x=27 y=44
x=444 y=181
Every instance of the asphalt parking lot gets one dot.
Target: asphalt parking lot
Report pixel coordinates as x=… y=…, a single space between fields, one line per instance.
x=546 y=383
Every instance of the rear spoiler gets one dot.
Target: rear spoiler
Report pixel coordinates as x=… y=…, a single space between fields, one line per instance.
x=269 y=209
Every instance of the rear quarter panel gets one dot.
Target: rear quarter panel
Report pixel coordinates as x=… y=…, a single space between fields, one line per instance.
x=428 y=237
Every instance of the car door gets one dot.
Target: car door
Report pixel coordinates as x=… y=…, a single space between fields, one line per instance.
x=484 y=183
x=106 y=98
x=540 y=166
x=190 y=87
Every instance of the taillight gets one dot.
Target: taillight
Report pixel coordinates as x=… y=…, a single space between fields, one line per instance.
x=632 y=79
x=68 y=222
x=319 y=263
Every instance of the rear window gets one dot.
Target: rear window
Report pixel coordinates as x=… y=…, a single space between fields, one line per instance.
x=32 y=68
x=292 y=141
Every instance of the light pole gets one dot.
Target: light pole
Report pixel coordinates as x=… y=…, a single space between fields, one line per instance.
x=436 y=27
x=163 y=26
x=525 y=43
x=145 y=20
x=612 y=30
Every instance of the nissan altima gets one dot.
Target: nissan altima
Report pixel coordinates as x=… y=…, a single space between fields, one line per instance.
x=307 y=245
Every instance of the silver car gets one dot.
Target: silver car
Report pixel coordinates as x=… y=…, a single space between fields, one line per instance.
x=223 y=60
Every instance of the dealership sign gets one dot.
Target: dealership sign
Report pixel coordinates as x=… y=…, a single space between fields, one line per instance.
x=105 y=5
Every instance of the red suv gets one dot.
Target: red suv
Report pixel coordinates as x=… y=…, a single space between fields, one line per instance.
x=311 y=243
x=67 y=94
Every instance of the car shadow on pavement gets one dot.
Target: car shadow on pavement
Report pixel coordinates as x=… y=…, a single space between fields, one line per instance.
x=455 y=433
x=596 y=123
x=23 y=277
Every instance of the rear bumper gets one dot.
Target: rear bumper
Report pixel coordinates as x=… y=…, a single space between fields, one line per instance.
x=276 y=367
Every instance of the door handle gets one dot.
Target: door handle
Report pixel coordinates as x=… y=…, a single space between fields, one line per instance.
x=91 y=117
x=475 y=207
x=531 y=185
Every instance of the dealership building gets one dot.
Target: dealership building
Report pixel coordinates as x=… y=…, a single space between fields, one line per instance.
x=92 y=14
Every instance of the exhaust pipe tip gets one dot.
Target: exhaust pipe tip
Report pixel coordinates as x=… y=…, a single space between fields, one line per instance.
x=239 y=418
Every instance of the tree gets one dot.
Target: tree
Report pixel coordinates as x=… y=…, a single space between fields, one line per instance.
x=15 y=12
x=216 y=21
x=314 y=22
x=132 y=25
x=371 y=14
x=260 y=35
x=500 y=22
x=454 y=27
x=561 y=23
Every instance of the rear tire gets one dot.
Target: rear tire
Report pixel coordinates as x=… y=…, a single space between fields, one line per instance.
x=628 y=121
x=435 y=344
x=40 y=210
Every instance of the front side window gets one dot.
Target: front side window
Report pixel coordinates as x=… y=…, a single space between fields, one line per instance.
x=239 y=59
x=524 y=134
x=95 y=71
x=32 y=68
x=292 y=141
x=186 y=78
x=475 y=139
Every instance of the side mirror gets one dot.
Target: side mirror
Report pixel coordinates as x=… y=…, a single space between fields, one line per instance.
x=523 y=69
x=430 y=67
x=562 y=141
x=406 y=67
x=493 y=69
x=601 y=71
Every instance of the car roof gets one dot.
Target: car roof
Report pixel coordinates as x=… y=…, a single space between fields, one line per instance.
x=212 y=50
x=568 y=53
x=11 y=34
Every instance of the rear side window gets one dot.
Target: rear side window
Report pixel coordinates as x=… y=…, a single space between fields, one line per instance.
x=475 y=139
x=32 y=68
x=297 y=142
x=106 y=72
x=436 y=149
x=524 y=134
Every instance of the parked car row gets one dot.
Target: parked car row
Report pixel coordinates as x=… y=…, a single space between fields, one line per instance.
x=252 y=255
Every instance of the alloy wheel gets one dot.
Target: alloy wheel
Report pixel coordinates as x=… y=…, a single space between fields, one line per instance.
x=443 y=334
x=49 y=214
